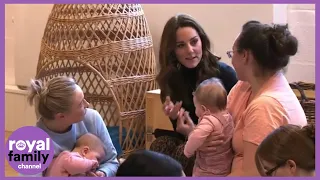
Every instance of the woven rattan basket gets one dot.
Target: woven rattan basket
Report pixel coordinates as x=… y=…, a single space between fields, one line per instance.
x=108 y=50
x=306 y=95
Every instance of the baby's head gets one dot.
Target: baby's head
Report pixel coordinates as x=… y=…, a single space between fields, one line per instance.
x=150 y=163
x=90 y=147
x=210 y=96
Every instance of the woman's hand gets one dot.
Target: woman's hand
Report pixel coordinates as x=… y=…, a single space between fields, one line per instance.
x=171 y=110
x=214 y=140
x=184 y=123
x=91 y=174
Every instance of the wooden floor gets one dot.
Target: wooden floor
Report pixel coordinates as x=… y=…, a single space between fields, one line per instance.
x=8 y=171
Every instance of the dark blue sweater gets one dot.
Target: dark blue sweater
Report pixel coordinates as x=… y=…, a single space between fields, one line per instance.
x=182 y=86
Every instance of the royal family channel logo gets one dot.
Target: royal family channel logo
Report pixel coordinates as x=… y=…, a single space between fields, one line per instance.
x=29 y=150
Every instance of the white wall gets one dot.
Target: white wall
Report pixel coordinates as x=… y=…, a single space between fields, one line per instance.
x=9 y=44
x=24 y=28
x=280 y=13
x=301 y=20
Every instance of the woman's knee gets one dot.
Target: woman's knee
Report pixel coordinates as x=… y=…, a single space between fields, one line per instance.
x=165 y=144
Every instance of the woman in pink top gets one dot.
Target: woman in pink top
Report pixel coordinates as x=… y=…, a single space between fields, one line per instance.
x=262 y=100
x=210 y=100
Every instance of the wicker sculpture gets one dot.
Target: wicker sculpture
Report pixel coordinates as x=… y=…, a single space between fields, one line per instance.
x=108 y=50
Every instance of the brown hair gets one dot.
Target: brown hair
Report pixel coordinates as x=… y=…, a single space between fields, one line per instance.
x=52 y=98
x=271 y=45
x=288 y=142
x=149 y=163
x=168 y=61
x=212 y=93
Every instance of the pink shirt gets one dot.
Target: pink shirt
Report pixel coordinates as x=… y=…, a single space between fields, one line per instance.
x=217 y=163
x=275 y=105
x=70 y=164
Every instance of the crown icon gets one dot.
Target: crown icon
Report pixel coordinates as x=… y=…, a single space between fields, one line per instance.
x=21 y=145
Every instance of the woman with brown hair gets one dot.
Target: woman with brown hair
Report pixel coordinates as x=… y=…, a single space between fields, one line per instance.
x=262 y=100
x=185 y=61
x=288 y=151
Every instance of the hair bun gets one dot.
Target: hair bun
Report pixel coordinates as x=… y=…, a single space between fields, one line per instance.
x=36 y=86
x=310 y=131
x=281 y=40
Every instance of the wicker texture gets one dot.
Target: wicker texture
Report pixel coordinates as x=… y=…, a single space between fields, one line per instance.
x=108 y=50
x=308 y=103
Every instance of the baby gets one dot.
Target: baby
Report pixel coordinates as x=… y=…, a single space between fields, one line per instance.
x=83 y=159
x=210 y=100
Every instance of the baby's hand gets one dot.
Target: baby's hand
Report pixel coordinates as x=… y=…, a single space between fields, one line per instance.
x=100 y=174
x=95 y=164
x=96 y=174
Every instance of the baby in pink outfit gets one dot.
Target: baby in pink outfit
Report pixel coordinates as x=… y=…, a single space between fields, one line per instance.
x=210 y=100
x=83 y=159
